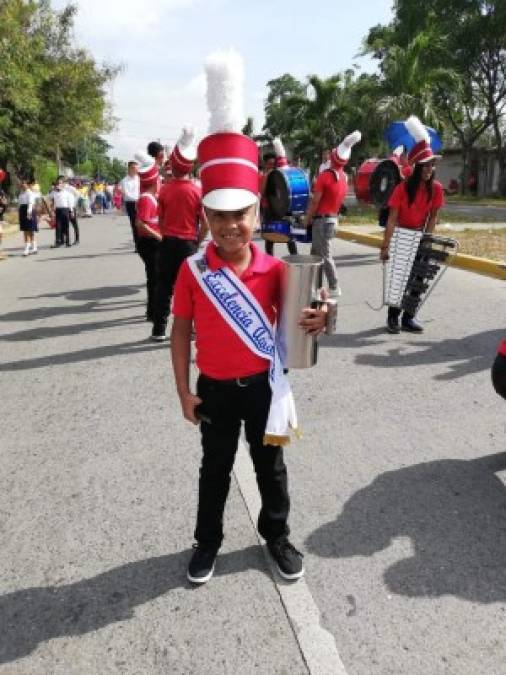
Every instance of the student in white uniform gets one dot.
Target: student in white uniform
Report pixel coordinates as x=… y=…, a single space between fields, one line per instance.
x=28 y=223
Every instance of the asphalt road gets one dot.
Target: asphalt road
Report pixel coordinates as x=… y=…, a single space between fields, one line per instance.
x=398 y=499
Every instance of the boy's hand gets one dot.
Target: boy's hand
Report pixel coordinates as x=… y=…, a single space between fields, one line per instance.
x=188 y=403
x=313 y=321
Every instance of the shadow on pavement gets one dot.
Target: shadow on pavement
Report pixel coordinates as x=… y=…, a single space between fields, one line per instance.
x=464 y=356
x=34 y=615
x=91 y=299
x=83 y=355
x=453 y=511
x=49 y=332
x=88 y=256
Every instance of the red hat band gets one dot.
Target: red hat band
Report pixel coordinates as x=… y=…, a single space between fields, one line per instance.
x=337 y=162
x=421 y=152
x=149 y=175
x=228 y=161
x=180 y=163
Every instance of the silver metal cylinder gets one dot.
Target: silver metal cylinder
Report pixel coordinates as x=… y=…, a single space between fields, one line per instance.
x=301 y=282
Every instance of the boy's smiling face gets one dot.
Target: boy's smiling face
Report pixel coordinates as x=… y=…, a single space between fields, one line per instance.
x=232 y=230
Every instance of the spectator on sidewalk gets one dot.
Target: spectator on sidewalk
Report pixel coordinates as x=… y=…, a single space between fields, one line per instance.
x=74 y=192
x=28 y=223
x=130 y=189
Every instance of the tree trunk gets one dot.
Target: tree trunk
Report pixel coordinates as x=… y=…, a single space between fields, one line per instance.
x=465 y=169
x=58 y=160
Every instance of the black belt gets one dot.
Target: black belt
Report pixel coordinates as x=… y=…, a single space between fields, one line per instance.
x=238 y=381
x=325 y=215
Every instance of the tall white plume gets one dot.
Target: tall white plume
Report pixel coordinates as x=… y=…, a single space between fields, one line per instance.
x=279 y=148
x=186 y=143
x=344 y=148
x=225 y=79
x=187 y=138
x=417 y=129
x=142 y=158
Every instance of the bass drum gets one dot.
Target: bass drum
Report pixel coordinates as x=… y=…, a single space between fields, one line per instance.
x=277 y=231
x=286 y=192
x=363 y=179
x=375 y=181
x=383 y=180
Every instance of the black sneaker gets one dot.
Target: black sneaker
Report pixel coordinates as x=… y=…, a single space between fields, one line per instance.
x=411 y=325
x=288 y=560
x=201 y=565
x=393 y=325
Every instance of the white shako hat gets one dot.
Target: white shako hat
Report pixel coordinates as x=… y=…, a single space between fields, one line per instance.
x=339 y=156
x=279 y=151
x=228 y=160
x=184 y=152
x=147 y=168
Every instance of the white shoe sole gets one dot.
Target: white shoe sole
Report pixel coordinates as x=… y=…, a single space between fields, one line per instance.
x=158 y=338
x=290 y=577
x=200 y=580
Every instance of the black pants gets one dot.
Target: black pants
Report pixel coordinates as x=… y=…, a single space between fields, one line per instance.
x=131 y=209
x=292 y=247
x=226 y=405
x=75 y=224
x=148 y=250
x=62 y=226
x=173 y=252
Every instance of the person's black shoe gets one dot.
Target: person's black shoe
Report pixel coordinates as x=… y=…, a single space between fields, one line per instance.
x=201 y=566
x=288 y=560
x=411 y=325
x=68 y=244
x=393 y=325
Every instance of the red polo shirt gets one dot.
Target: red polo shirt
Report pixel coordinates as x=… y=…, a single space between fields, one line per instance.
x=333 y=187
x=502 y=348
x=147 y=211
x=414 y=215
x=221 y=354
x=180 y=209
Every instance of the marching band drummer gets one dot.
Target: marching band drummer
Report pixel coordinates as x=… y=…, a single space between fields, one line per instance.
x=414 y=204
x=329 y=192
x=231 y=291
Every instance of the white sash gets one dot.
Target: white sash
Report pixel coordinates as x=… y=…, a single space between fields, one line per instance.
x=242 y=312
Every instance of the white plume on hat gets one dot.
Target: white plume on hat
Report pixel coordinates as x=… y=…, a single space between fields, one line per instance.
x=279 y=148
x=344 y=148
x=143 y=159
x=398 y=150
x=417 y=129
x=225 y=77
x=186 y=144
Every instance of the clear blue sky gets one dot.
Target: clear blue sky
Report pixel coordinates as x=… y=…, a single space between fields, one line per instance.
x=162 y=45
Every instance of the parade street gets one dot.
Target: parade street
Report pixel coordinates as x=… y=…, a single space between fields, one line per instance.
x=397 y=486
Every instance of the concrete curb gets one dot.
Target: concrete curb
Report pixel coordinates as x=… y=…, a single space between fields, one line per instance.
x=490 y=268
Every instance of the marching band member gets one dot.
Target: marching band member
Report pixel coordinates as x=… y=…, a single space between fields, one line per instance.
x=181 y=226
x=414 y=204
x=148 y=235
x=231 y=293
x=329 y=192
x=280 y=161
x=499 y=370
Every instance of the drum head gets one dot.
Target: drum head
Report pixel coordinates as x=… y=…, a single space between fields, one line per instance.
x=277 y=194
x=383 y=180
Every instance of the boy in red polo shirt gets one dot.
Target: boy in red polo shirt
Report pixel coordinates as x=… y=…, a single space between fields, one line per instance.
x=329 y=192
x=181 y=226
x=234 y=383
